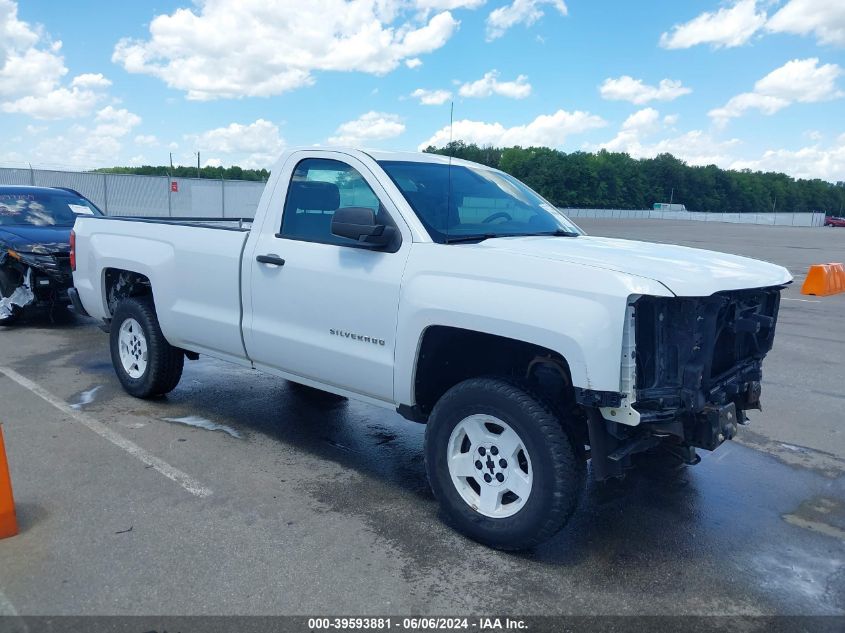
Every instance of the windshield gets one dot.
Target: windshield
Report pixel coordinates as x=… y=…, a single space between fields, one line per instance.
x=42 y=207
x=461 y=202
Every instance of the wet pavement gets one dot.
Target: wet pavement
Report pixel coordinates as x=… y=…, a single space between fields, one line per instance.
x=325 y=508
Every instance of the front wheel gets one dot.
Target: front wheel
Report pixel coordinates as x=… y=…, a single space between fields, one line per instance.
x=501 y=464
x=145 y=363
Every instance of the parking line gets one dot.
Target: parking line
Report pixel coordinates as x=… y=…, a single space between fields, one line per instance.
x=171 y=472
x=804 y=300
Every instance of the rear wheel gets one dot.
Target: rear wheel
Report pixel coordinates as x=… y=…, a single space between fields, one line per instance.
x=501 y=464
x=8 y=284
x=145 y=363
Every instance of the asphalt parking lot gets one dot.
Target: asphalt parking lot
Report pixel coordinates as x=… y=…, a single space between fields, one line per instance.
x=280 y=505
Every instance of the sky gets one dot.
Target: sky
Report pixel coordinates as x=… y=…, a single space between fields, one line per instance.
x=744 y=84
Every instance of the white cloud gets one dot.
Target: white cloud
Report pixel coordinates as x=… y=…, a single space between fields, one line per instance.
x=727 y=27
x=802 y=80
x=525 y=12
x=549 y=130
x=431 y=97
x=448 y=5
x=489 y=85
x=737 y=24
x=695 y=146
x=741 y=103
x=414 y=62
x=626 y=88
x=815 y=161
x=59 y=103
x=237 y=48
x=90 y=80
x=255 y=145
x=639 y=124
x=86 y=146
x=698 y=147
x=823 y=18
x=32 y=69
x=799 y=80
x=115 y=122
x=371 y=126
x=146 y=139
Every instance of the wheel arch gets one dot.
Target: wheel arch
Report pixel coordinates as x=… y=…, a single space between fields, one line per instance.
x=119 y=283
x=447 y=355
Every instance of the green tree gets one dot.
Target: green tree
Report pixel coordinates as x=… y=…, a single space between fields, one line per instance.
x=616 y=180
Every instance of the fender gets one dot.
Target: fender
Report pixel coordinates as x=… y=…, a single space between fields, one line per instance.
x=575 y=310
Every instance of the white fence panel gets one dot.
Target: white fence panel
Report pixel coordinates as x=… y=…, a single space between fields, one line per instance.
x=772 y=219
x=131 y=195
x=92 y=186
x=149 y=196
x=15 y=177
x=241 y=198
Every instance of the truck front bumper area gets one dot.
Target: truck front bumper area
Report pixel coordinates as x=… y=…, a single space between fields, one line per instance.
x=697 y=370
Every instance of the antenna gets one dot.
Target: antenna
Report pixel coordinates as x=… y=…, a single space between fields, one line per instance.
x=449 y=171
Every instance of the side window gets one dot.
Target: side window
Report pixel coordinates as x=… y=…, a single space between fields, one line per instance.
x=318 y=188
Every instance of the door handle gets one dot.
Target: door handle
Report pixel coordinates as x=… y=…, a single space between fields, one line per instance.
x=275 y=260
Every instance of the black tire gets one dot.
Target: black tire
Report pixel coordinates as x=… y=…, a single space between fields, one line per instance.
x=164 y=362
x=559 y=475
x=7 y=287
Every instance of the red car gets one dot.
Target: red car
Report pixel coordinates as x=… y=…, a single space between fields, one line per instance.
x=832 y=220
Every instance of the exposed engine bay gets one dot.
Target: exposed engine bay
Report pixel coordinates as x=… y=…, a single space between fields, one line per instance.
x=697 y=370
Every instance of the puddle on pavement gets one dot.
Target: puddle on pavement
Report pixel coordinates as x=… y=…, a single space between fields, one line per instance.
x=202 y=423
x=86 y=397
x=824 y=515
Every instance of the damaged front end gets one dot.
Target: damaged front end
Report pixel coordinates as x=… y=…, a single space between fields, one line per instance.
x=695 y=364
x=40 y=275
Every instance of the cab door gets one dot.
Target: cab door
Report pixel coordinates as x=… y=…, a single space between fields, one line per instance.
x=321 y=307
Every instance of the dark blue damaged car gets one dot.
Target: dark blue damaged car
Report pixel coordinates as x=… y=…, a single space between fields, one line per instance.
x=35 y=228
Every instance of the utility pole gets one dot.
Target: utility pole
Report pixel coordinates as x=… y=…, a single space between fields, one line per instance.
x=198 y=164
x=672 y=196
x=774 y=203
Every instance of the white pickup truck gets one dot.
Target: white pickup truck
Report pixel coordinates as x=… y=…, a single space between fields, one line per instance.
x=454 y=294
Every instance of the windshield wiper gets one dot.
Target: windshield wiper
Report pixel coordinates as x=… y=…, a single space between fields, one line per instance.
x=454 y=239
x=555 y=233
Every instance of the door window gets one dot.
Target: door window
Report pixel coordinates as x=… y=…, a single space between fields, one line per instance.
x=318 y=188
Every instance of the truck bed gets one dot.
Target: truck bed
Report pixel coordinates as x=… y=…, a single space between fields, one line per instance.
x=192 y=264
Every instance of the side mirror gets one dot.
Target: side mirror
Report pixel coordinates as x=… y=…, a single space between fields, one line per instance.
x=359 y=224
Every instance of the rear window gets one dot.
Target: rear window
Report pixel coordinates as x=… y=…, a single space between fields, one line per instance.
x=42 y=208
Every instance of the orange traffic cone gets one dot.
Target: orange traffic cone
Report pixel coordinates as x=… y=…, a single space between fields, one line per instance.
x=8 y=521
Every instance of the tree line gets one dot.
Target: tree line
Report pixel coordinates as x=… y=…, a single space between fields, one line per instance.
x=226 y=173
x=612 y=180
x=609 y=180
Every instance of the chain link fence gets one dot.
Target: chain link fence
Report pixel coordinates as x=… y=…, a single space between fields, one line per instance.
x=150 y=196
